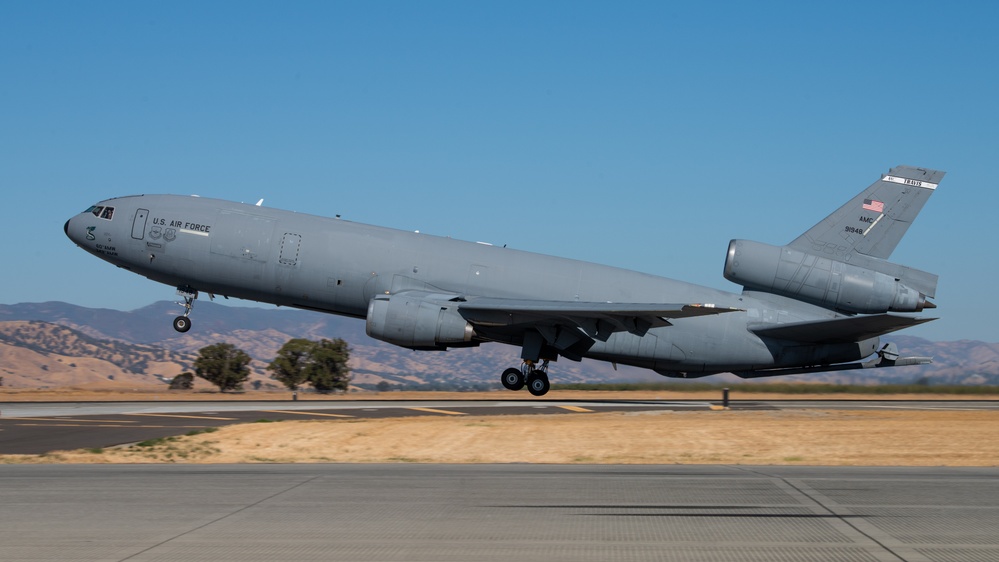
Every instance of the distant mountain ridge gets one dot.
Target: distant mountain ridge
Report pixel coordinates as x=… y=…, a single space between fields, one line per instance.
x=134 y=341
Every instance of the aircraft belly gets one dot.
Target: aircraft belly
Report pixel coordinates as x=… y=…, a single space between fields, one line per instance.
x=630 y=349
x=712 y=345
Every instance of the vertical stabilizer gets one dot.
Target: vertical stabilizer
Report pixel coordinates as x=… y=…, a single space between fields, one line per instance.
x=874 y=221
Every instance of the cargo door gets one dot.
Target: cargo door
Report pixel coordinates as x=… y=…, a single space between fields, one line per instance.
x=290 y=244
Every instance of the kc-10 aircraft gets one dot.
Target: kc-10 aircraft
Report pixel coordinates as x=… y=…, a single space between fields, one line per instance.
x=819 y=303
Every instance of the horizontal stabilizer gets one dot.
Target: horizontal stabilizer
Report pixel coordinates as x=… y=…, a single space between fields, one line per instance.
x=838 y=330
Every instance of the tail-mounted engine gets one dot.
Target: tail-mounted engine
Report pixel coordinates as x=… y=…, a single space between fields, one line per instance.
x=418 y=320
x=826 y=282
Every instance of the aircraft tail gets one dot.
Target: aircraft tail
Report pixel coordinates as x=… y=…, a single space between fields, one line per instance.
x=841 y=262
x=873 y=222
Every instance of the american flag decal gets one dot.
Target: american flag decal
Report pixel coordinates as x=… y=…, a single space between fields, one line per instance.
x=874 y=205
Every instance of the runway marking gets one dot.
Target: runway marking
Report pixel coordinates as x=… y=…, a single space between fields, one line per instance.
x=305 y=413
x=54 y=425
x=169 y=426
x=436 y=411
x=118 y=426
x=73 y=420
x=931 y=408
x=180 y=416
x=575 y=409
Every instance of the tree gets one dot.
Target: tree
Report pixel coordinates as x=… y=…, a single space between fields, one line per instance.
x=291 y=365
x=383 y=386
x=183 y=381
x=328 y=370
x=223 y=365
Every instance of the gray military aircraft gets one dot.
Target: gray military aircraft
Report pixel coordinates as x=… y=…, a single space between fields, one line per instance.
x=817 y=304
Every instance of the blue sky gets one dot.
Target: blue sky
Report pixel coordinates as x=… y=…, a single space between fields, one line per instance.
x=641 y=135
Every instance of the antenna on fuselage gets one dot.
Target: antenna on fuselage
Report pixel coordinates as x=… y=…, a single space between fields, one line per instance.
x=261 y=202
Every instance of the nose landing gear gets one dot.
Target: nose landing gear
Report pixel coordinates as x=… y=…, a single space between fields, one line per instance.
x=536 y=379
x=183 y=323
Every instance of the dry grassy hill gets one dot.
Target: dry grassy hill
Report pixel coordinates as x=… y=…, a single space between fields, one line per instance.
x=39 y=354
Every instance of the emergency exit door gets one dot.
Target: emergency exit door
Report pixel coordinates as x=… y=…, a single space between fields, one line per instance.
x=139 y=224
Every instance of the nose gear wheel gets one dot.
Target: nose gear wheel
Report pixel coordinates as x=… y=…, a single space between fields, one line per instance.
x=183 y=323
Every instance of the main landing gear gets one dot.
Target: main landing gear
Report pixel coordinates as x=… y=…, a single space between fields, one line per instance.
x=534 y=378
x=183 y=323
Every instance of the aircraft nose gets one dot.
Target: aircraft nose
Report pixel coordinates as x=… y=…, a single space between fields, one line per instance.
x=70 y=230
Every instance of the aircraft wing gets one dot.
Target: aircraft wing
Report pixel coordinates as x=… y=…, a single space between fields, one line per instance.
x=588 y=320
x=838 y=330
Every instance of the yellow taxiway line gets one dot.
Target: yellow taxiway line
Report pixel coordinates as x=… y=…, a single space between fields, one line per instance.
x=436 y=411
x=575 y=409
x=180 y=416
x=305 y=413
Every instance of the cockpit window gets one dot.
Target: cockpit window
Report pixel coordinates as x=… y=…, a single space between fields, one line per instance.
x=101 y=212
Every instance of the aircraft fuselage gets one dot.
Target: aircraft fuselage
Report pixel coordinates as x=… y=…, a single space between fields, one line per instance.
x=337 y=266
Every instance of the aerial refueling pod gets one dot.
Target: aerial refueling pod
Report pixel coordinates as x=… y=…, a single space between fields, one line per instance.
x=416 y=320
x=822 y=281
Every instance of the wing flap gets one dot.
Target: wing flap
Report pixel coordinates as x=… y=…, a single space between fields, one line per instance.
x=838 y=330
x=561 y=309
x=597 y=319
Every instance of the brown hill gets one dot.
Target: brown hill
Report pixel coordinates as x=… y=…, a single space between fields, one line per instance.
x=38 y=355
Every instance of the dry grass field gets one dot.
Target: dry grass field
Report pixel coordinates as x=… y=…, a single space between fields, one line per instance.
x=814 y=437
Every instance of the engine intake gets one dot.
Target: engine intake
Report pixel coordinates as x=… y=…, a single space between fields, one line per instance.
x=417 y=321
x=822 y=281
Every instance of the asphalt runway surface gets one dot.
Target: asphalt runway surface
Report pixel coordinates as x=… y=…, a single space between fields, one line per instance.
x=35 y=428
x=497 y=513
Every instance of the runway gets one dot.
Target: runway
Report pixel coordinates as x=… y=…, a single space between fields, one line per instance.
x=497 y=512
x=35 y=428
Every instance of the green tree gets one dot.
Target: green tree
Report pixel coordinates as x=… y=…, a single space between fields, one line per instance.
x=328 y=370
x=223 y=365
x=291 y=366
x=183 y=381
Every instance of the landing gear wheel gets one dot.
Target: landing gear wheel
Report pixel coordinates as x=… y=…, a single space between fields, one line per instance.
x=182 y=324
x=537 y=383
x=512 y=379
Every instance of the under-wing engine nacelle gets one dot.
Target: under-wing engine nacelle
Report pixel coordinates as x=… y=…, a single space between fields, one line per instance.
x=417 y=321
x=829 y=283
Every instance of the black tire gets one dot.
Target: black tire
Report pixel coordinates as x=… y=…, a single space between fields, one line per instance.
x=537 y=383
x=182 y=324
x=512 y=379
